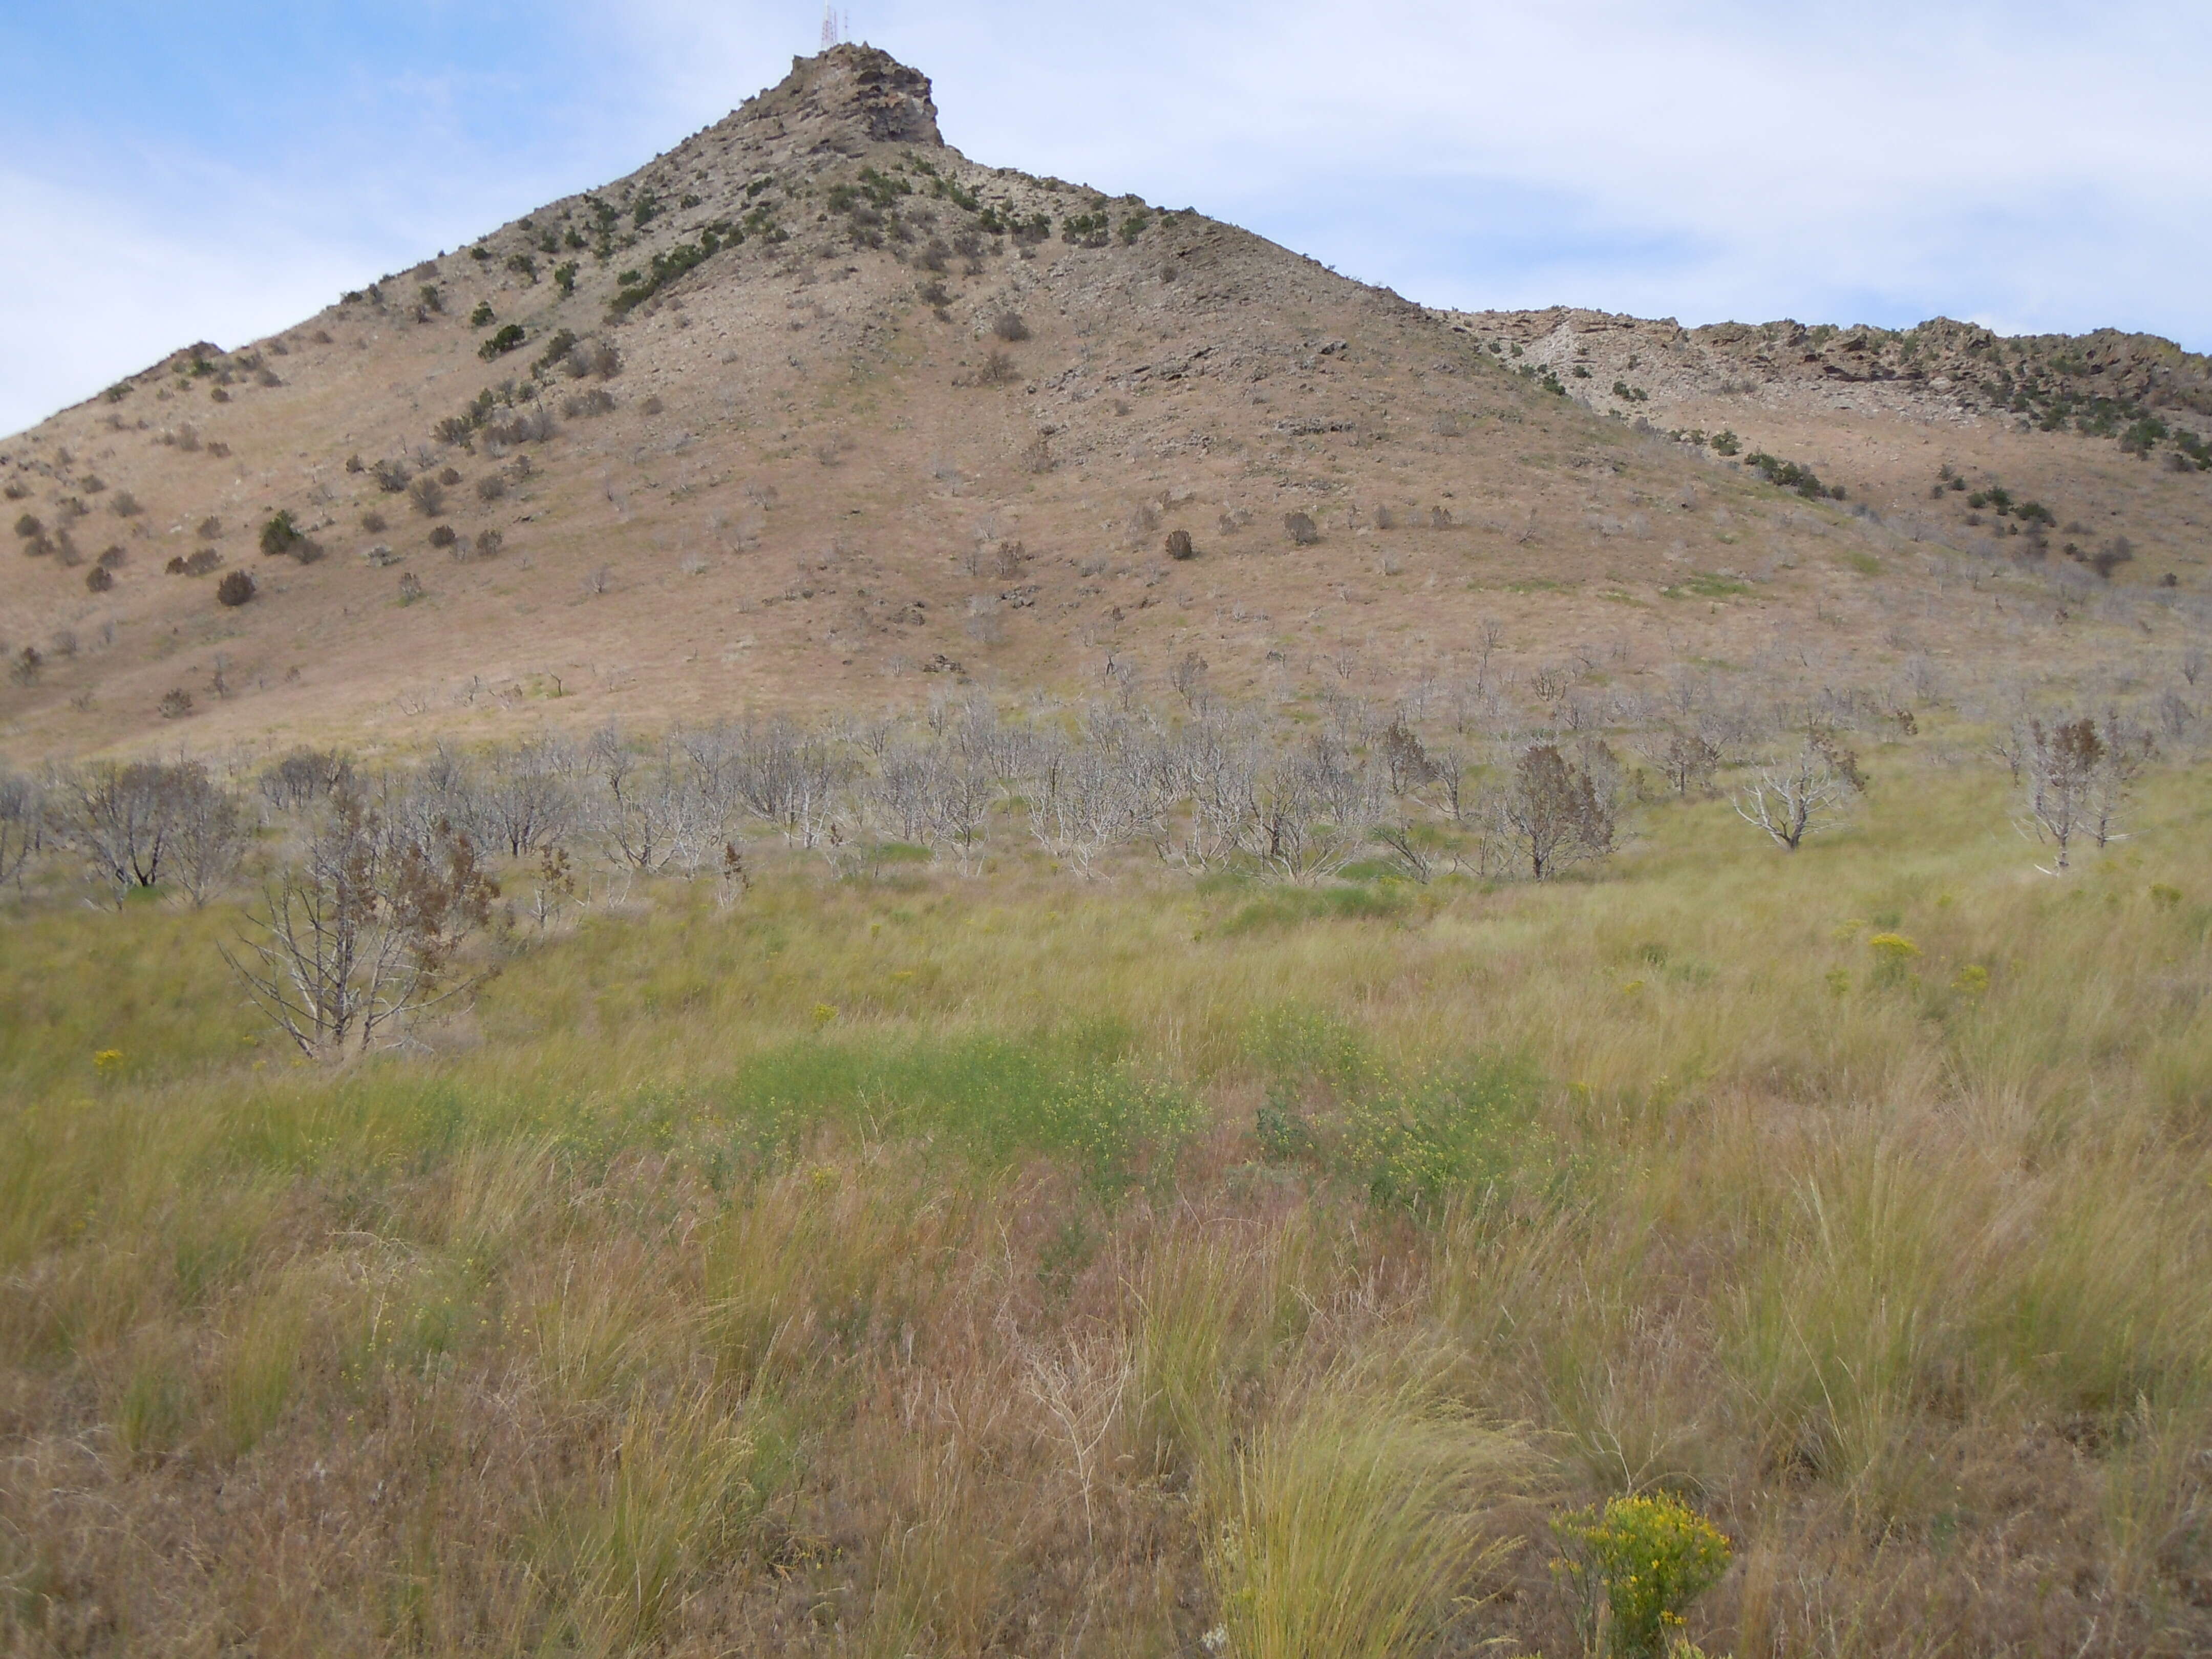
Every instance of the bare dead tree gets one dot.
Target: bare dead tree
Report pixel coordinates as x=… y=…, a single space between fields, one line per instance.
x=2127 y=750
x=1803 y=796
x=1103 y=789
x=527 y=802
x=900 y=796
x=302 y=778
x=119 y=819
x=656 y=819
x=23 y=825
x=1687 y=760
x=957 y=794
x=1312 y=809
x=1409 y=849
x=2061 y=761
x=789 y=777
x=1083 y=805
x=208 y=834
x=1211 y=768
x=365 y=930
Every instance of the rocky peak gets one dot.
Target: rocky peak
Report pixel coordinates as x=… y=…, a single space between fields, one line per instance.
x=850 y=91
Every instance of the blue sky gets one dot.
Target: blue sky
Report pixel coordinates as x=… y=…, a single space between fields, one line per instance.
x=177 y=172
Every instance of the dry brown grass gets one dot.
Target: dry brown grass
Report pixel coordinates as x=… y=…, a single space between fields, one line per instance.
x=764 y=1280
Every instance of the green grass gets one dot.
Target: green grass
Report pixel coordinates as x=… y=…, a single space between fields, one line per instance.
x=889 y=1267
x=1706 y=585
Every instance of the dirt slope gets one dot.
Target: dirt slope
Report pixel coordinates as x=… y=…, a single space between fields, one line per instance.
x=814 y=411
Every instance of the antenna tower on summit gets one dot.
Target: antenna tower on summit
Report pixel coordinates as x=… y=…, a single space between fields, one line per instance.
x=834 y=28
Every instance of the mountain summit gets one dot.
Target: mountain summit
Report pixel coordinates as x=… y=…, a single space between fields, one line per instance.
x=814 y=408
x=845 y=90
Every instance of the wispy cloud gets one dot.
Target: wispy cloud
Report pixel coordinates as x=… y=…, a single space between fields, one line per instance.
x=2036 y=165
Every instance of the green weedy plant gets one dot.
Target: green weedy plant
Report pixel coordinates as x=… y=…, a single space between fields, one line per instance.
x=1637 y=1564
x=1433 y=1137
x=1894 y=954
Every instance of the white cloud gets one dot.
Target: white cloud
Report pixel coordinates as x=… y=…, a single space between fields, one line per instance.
x=98 y=289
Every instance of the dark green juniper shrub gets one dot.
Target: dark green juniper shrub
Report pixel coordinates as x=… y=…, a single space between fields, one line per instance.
x=279 y=535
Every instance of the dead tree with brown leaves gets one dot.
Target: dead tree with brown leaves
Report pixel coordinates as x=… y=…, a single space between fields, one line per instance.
x=2078 y=778
x=1553 y=812
x=365 y=930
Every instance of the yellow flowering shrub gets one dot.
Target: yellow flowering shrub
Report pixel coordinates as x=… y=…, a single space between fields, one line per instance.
x=1637 y=1564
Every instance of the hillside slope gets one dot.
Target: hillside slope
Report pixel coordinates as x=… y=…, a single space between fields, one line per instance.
x=813 y=409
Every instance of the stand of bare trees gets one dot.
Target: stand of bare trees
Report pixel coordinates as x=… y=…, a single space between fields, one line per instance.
x=372 y=881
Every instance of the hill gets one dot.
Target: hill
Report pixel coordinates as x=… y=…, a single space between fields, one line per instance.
x=813 y=409
x=1410 y=983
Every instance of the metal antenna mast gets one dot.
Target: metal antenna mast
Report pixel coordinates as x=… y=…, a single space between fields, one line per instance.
x=830 y=32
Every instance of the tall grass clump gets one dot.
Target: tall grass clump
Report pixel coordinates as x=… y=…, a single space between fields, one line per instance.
x=1355 y=1523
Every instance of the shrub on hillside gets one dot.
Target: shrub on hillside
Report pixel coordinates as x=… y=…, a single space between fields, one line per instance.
x=1299 y=528
x=530 y=426
x=234 y=589
x=279 y=535
x=98 y=579
x=1009 y=327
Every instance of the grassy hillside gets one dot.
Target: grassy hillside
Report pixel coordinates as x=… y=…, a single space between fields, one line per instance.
x=921 y=1263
